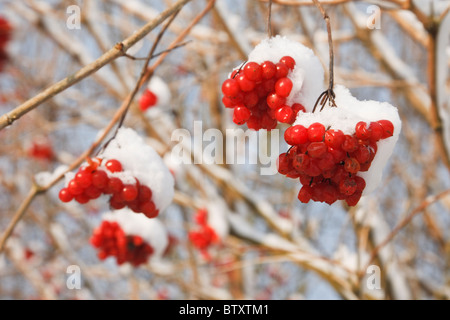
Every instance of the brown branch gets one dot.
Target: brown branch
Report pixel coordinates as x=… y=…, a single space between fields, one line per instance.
x=117 y=51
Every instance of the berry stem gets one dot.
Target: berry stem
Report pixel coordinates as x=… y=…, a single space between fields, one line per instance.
x=269 y=20
x=330 y=44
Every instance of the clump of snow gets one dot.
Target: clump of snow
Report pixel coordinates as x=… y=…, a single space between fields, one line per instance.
x=217 y=219
x=308 y=74
x=151 y=231
x=44 y=178
x=160 y=88
x=140 y=161
x=349 y=112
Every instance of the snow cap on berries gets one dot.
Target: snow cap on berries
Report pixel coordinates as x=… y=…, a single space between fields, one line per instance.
x=308 y=74
x=140 y=161
x=349 y=112
x=151 y=231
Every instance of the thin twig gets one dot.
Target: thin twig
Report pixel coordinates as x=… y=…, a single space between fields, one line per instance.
x=144 y=70
x=157 y=54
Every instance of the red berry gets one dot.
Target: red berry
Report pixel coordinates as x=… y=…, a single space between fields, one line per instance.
x=283 y=87
x=92 y=192
x=230 y=88
x=317 y=149
x=334 y=138
x=388 y=128
x=241 y=115
x=377 y=131
x=350 y=143
x=145 y=194
x=251 y=99
x=227 y=102
x=100 y=179
x=301 y=162
x=268 y=69
x=285 y=115
x=113 y=165
x=149 y=209
x=283 y=164
x=253 y=71
x=65 y=195
x=129 y=192
x=244 y=83
x=351 y=165
x=268 y=85
x=147 y=100
x=362 y=155
x=295 y=135
x=353 y=199
x=360 y=183
x=316 y=132
x=83 y=178
x=282 y=70
x=275 y=101
x=82 y=198
x=326 y=161
x=74 y=188
x=288 y=61
x=362 y=131
x=297 y=107
x=347 y=186
x=305 y=194
x=338 y=154
x=114 y=185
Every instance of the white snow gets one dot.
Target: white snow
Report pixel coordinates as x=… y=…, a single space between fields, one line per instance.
x=217 y=218
x=151 y=231
x=348 y=113
x=308 y=74
x=140 y=161
x=159 y=87
x=44 y=178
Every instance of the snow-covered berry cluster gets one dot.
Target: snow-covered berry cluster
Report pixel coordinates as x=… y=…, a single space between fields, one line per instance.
x=327 y=161
x=339 y=152
x=129 y=237
x=97 y=178
x=5 y=36
x=138 y=186
x=129 y=172
x=204 y=236
x=258 y=93
x=272 y=86
x=111 y=240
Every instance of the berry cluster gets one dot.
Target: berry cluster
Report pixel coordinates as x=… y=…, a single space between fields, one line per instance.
x=327 y=161
x=204 y=236
x=147 y=100
x=5 y=36
x=111 y=240
x=93 y=180
x=258 y=93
